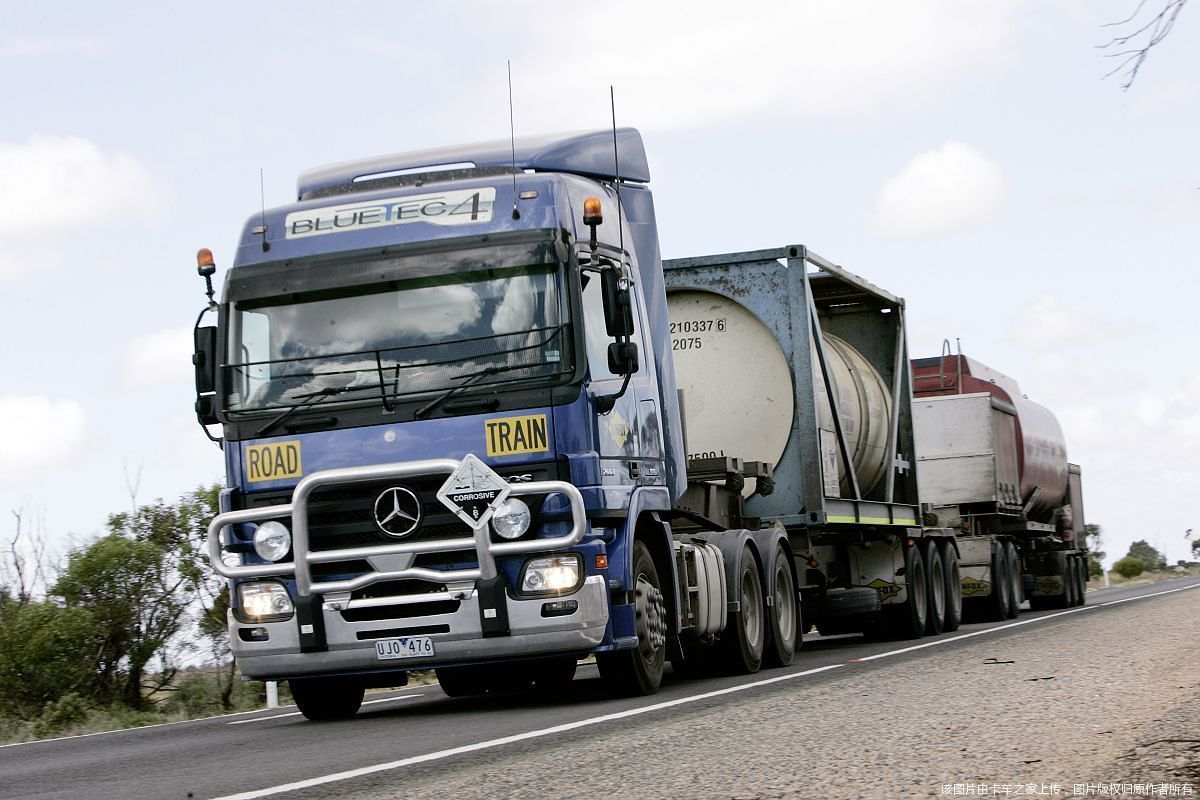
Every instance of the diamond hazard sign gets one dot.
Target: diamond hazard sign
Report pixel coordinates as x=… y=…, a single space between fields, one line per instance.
x=473 y=491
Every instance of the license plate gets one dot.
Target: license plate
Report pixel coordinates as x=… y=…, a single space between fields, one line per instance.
x=403 y=647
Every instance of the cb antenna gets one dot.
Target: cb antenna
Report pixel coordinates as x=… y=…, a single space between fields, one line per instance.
x=262 y=199
x=612 y=101
x=512 y=137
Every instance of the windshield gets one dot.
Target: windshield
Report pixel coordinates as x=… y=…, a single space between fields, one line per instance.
x=399 y=338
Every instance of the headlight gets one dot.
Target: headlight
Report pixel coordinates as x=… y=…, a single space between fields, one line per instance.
x=265 y=601
x=511 y=518
x=272 y=540
x=552 y=574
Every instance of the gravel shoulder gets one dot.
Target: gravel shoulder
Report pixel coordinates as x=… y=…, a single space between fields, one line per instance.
x=1095 y=697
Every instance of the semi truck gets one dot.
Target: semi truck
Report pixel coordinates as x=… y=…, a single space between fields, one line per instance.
x=473 y=422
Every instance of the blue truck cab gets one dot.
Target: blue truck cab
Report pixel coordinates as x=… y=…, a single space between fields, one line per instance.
x=444 y=387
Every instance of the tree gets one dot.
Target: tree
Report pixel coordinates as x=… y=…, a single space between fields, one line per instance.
x=44 y=654
x=1129 y=567
x=1131 y=48
x=138 y=604
x=1150 y=557
x=1093 y=537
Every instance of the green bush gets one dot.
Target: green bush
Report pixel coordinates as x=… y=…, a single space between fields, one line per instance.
x=1129 y=567
x=66 y=712
x=1094 y=569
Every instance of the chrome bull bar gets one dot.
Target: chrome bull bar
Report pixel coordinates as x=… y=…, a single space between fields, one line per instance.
x=485 y=549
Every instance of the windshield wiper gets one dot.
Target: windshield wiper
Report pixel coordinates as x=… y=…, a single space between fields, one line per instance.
x=307 y=399
x=469 y=381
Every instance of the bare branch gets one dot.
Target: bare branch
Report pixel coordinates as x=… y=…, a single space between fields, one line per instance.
x=1133 y=48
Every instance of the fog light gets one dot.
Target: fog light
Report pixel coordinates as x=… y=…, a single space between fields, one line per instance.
x=272 y=541
x=265 y=601
x=511 y=518
x=560 y=608
x=552 y=574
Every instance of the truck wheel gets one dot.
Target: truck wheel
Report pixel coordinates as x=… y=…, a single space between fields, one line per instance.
x=954 y=596
x=784 y=613
x=1071 y=579
x=935 y=576
x=1014 y=580
x=1083 y=579
x=639 y=671
x=996 y=604
x=909 y=619
x=326 y=698
x=744 y=639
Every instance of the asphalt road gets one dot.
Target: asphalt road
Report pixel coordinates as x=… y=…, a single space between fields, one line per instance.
x=408 y=735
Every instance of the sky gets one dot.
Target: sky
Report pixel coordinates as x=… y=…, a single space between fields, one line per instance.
x=968 y=155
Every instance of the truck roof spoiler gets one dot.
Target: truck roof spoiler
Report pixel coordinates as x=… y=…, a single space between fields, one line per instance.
x=584 y=153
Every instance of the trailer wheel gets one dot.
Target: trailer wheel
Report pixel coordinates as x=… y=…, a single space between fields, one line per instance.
x=954 y=596
x=639 y=671
x=908 y=619
x=1072 y=579
x=784 y=613
x=1083 y=580
x=744 y=638
x=935 y=578
x=1014 y=580
x=326 y=698
x=997 y=602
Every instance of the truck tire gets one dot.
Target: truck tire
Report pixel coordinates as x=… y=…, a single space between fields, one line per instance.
x=639 y=671
x=935 y=580
x=326 y=698
x=909 y=619
x=954 y=596
x=997 y=603
x=745 y=636
x=1014 y=580
x=1083 y=579
x=1072 y=579
x=784 y=612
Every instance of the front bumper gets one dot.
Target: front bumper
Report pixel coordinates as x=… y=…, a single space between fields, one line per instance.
x=531 y=634
x=333 y=639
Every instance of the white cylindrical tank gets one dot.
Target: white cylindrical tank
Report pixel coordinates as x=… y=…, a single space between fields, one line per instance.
x=740 y=399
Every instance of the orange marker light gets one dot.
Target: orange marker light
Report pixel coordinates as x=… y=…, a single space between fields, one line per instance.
x=601 y=562
x=204 y=258
x=592 y=214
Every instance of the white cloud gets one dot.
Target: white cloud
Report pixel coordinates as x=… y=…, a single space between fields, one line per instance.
x=1047 y=326
x=56 y=183
x=159 y=357
x=39 y=433
x=676 y=69
x=940 y=191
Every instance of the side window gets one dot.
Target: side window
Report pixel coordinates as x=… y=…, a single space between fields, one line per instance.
x=598 y=339
x=250 y=344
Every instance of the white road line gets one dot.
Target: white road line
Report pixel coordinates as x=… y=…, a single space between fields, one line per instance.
x=520 y=737
x=297 y=713
x=1029 y=621
x=128 y=730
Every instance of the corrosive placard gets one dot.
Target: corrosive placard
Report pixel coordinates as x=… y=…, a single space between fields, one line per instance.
x=473 y=491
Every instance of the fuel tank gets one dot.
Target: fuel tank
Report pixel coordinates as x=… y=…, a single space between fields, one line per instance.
x=1041 y=449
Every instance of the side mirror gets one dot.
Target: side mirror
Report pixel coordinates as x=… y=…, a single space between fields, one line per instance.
x=618 y=306
x=623 y=358
x=204 y=359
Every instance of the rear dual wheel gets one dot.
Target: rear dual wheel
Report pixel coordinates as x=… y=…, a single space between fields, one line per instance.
x=784 y=611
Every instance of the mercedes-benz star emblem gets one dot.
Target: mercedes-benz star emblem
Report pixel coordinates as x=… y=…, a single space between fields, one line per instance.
x=397 y=511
